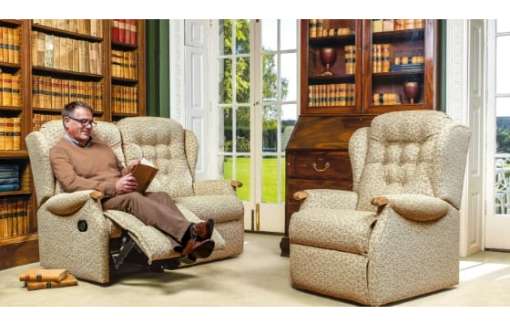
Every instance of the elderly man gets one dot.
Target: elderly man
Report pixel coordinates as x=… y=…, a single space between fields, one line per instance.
x=81 y=163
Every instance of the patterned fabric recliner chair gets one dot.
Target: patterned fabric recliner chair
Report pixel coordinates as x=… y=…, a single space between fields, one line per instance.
x=396 y=234
x=76 y=234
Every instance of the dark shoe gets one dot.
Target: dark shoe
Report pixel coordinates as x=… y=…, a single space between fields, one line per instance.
x=198 y=248
x=202 y=230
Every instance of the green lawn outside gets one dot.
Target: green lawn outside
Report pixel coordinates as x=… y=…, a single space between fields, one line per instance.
x=269 y=176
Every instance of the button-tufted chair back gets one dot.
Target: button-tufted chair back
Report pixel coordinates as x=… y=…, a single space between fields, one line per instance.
x=162 y=141
x=409 y=152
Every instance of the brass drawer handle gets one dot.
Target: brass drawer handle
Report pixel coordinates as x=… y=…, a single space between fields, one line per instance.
x=320 y=170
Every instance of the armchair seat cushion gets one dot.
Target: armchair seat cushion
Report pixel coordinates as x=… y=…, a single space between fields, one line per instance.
x=220 y=208
x=335 y=229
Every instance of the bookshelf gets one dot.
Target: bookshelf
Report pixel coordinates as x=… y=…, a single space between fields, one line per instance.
x=53 y=62
x=351 y=71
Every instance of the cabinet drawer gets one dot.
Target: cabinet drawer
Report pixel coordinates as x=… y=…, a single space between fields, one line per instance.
x=319 y=165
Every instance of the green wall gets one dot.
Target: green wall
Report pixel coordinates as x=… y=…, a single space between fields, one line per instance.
x=158 y=63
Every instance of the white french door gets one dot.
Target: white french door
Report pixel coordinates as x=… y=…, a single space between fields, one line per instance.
x=257 y=105
x=497 y=224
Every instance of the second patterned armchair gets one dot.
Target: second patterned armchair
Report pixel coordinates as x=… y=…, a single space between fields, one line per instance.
x=395 y=236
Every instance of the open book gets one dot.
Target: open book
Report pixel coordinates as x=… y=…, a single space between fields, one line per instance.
x=144 y=172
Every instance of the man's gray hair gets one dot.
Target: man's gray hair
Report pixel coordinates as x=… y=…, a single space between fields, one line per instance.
x=72 y=106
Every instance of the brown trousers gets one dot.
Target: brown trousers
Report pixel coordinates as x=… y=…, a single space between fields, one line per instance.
x=154 y=209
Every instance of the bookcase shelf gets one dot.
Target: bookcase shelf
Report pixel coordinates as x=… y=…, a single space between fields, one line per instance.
x=66 y=73
x=11 y=108
x=65 y=33
x=123 y=46
x=399 y=75
x=315 y=80
x=12 y=193
x=57 y=111
x=399 y=35
x=332 y=41
x=124 y=80
x=11 y=22
x=118 y=114
x=9 y=154
x=12 y=66
x=24 y=249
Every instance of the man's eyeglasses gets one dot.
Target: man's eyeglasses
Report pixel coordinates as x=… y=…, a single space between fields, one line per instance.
x=84 y=122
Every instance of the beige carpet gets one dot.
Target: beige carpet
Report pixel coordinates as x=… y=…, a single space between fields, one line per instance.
x=259 y=277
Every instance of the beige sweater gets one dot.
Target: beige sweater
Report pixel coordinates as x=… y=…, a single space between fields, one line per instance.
x=94 y=167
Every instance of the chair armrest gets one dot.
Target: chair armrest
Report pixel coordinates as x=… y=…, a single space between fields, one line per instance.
x=216 y=187
x=65 y=204
x=414 y=207
x=329 y=199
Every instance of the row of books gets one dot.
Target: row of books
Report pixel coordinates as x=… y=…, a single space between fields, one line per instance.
x=9 y=177
x=54 y=93
x=93 y=27
x=39 y=119
x=386 y=99
x=331 y=95
x=350 y=59
x=10 y=89
x=318 y=28
x=35 y=279
x=381 y=57
x=14 y=217
x=390 y=25
x=66 y=54
x=124 y=31
x=125 y=99
x=10 y=45
x=124 y=64
x=10 y=133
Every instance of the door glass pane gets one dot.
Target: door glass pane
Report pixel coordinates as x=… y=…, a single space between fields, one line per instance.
x=242 y=36
x=288 y=77
x=225 y=128
x=502 y=65
x=503 y=25
x=288 y=120
x=243 y=129
x=243 y=80
x=269 y=34
x=502 y=161
x=288 y=34
x=269 y=76
x=227 y=167
x=225 y=26
x=243 y=167
x=270 y=179
x=225 y=80
x=270 y=128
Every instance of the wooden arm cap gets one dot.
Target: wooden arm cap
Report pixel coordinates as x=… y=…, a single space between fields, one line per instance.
x=380 y=201
x=300 y=195
x=236 y=184
x=96 y=195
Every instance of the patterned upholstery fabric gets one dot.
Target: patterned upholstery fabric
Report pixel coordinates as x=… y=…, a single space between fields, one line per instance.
x=418 y=207
x=403 y=155
x=331 y=199
x=221 y=208
x=161 y=141
x=151 y=241
x=416 y=159
x=174 y=150
x=337 y=229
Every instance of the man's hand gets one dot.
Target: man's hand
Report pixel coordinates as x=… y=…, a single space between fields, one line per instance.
x=132 y=165
x=126 y=184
